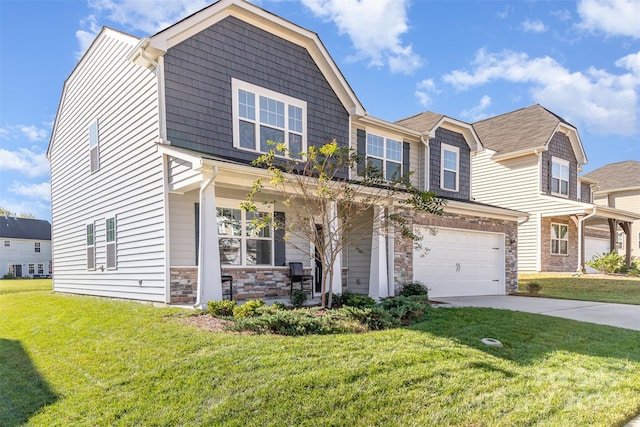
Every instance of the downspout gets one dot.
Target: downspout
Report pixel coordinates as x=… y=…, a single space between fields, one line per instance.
x=426 y=161
x=581 y=244
x=203 y=188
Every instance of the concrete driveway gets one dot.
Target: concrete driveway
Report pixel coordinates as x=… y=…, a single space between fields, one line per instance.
x=620 y=315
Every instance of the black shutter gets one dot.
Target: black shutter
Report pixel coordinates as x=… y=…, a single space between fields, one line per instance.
x=362 y=151
x=406 y=152
x=197 y=231
x=280 y=257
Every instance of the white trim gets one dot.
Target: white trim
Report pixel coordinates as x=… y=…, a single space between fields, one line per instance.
x=446 y=147
x=384 y=158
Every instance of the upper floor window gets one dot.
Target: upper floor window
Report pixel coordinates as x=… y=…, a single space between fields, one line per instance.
x=384 y=156
x=94 y=146
x=449 y=174
x=36 y=247
x=110 y=226
x=559 y=239
x=7 y=243
x=262 y=117
x=560 y=176
x=240 y=241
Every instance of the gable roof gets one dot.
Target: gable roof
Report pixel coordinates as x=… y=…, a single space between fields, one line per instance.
x=616 y=176
x=428 y=122
x=526 y=131
x=24 y=228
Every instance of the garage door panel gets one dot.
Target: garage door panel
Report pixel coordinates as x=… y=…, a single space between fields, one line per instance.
x=461 y=262
x=594 y=246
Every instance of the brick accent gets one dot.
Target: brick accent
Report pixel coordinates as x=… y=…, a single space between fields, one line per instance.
x=183 y=285
x=553 y=262
x=403 y=259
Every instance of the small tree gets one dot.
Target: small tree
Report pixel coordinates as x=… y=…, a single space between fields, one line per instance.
x=314 y=185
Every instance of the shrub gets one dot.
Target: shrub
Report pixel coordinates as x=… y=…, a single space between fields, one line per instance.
x=221 y=308
x=374 y=318
x=279 y=306
x=533 y=287
x=8 y=276
x=414 y=288
x=298 y=297
x=354 y=300
x=406 y=309
x=336 y=299
x=248 y=309
x=297 y=322
x=607 y=262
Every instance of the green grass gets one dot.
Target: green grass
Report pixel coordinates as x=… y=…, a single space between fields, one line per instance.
x=21 y=285
x=72 y=360
x=617 y=289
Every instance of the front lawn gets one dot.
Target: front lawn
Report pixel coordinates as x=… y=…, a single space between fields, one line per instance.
x=73 y=360
x=588 y=287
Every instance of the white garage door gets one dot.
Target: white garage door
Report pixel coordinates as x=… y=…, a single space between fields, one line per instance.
x=594 y=246
x=460 y=262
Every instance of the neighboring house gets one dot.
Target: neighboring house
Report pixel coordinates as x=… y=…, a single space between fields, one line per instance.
x=531 y=163
x=25 y=247
x=617 y=185
x=151 y=156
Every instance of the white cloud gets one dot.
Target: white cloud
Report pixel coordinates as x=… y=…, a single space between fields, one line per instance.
x=33 y=133
x=375 y=28
x=529 y=26
x=40 y=191
x=25 y=161
x=85 y=37
x=561 y=15
x=612 y=17
x=601 y=101
x=424 y=90
x=478 y=112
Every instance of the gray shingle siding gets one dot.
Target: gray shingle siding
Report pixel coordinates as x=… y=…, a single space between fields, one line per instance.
x=586 y=193
x=198 y=75
x=560 y=147
x=464 y=180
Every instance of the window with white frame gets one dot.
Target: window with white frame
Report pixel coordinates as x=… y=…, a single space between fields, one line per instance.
x=620 y=240
x=559 y=176
x=241 y=241
x=111 y=237
x=40 y=268
x=263 y=117
x=7 y=243
x=32 y=269
x=94 y=146
x=91 y=247
x=559 y=239
x=36 y=247
x=449 y=174
x=384 y=156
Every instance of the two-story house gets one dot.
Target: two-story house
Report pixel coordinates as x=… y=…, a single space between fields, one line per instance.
x=531 y=163
x=151 y=156
x=617 y=185
x=25 y=247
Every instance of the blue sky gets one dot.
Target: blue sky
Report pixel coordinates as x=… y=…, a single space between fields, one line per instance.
x=466 y=59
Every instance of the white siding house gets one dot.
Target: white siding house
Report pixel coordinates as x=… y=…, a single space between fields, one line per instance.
x=25 y=247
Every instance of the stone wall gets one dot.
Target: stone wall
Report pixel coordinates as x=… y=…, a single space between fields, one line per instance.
x=555 y=262
x=183 y=285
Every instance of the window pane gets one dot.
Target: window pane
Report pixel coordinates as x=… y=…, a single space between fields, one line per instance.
x=393 y=171
x=564 y=172
x=394 y=150
x=251 y=228
x=93 y=134
x=89 y=234
x=229 y=222
x=247 y=135
x=111 y=230
x=555 y=170
x=271 y=112
x=450 y=160
x=295 y=119
x=555 y=185
x=375 y=166
x=247 y=104
x=229 y=250
x=295 y=145
x=555 y=246
x=449 y=180
x=40 y=268
x=269 y=134
x=563 y=247
x=555 y=233
x=564 y=187
x=258 y=252
x=375 y=146
x=563 y=231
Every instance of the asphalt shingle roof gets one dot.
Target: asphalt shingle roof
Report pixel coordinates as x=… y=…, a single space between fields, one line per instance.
x=24 y=228
x=616 y=175
x=422 y=122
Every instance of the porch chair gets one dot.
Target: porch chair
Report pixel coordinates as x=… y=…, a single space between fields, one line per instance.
x=298 y=276
x=228 y=278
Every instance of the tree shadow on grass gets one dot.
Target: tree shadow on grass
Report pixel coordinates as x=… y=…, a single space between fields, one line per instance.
x=23 y=391
x=528 y=337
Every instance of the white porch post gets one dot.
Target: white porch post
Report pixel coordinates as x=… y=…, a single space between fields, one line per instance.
x=391 y=255
x=378 y=279
x=334 y=239
x=209 y=283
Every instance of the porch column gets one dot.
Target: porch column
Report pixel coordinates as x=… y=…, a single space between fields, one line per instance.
x=378 y=279
x=613 y=235
x=209 y=283
x=391 y=254
x=581 y=245
x=334 y=240
x=626 y=227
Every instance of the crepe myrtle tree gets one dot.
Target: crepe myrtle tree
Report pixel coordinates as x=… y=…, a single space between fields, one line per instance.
x=322 y=201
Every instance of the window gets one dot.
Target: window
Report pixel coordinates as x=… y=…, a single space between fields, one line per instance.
x=620 y=240
x=580 y=191
x=91 y=247
x=110 y=226
x=450 y=159
x=94 y=146
x=384 y=156
x=7 y=243
x=32 y=269
x=36 y=247
x=240 y=241
x=261 y=115
x=40 y=268
x=559 y=239
x=560 y=177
